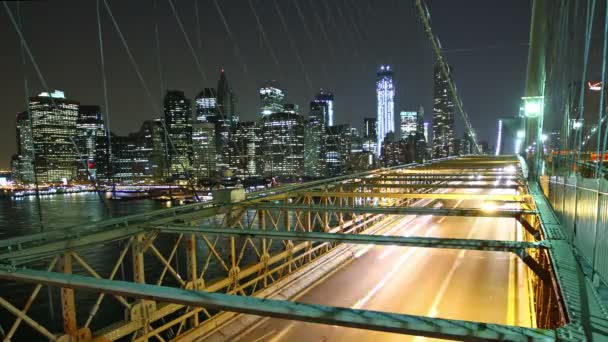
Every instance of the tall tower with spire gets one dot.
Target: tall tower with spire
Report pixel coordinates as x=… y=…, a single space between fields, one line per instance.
x=227 y=119
x=385 y=94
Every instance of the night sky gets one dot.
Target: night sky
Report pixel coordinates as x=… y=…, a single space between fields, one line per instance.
x=485 y=41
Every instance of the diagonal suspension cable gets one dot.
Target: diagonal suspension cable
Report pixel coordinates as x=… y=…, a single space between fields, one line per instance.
x=265 y=37
x=187 y=39
x=148 y=93
x=30 y=122
x=109 y=171
x=45 y=86
x=292 y=44
x=424 y=15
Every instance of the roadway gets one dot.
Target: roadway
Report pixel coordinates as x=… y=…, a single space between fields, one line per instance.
x=457 y=284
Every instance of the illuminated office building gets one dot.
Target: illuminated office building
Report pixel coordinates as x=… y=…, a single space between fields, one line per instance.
x=443 y=116
x=247 y=141
x=178 y=113
x=314 y=144
x=23 y=162
x=324 y=100
x=92 y=143
x=271 y=99
x=206 y=106
x=385 y=94
x=408 y=124
x=53 y=129
x=226 y=123
x=337 y=149
x=203 y=150
x=283 y=144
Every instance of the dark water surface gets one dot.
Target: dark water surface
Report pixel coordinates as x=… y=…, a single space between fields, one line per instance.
x=20 y=217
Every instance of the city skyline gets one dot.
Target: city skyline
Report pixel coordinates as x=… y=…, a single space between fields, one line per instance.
x=351 y=84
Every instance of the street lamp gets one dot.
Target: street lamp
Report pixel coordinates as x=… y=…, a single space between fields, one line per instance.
x=533 y=106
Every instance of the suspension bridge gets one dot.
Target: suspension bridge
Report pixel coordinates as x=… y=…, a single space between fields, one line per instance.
x=463 y=248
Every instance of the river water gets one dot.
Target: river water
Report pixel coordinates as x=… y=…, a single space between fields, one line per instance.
x=20 y=217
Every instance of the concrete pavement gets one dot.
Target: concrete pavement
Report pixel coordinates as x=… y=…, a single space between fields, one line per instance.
x=468 y=285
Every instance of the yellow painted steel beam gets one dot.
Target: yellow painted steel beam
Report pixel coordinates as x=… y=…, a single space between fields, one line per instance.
x=445 y=196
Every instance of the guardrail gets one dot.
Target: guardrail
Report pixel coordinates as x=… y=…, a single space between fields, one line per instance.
x=582 y=206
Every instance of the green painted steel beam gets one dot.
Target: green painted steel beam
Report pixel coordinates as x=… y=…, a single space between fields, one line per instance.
x=346 y=317
x=51 y=248
x=375 y=185
x=365 y=239
x=397 y=210
x=454 y=178
x=433 y=195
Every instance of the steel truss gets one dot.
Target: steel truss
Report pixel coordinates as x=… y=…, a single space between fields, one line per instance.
x=211 y=258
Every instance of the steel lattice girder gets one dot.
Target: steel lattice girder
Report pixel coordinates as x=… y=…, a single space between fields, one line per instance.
x=406 y=241
x=446 y=196
x=377 y=185
x=68 y=243
x=362 y=319
x=400 y=210
x=458 y=178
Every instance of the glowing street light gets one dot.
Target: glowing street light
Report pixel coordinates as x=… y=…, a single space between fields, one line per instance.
x=533 y=106
x=543 y=138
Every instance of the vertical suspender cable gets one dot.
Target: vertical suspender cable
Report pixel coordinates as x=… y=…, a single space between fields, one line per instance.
x=161 y=83
x=46 y=87
x=30 y=122
x=146 y=89
x=581 y=106
x=600 y=162
x=109 y=159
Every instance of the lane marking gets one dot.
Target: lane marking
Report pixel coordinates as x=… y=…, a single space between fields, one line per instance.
x=393 y=271
x=283 y=332
x=264 y=336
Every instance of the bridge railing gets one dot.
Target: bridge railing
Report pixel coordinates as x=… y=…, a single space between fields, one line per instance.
x=582 y=206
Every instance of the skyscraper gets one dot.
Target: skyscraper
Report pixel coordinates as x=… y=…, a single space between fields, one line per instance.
x=54 y=129
x=370 y=140
x=24 y=162
x=283 y=144
x=203 y=149
x=314 y=146
x=324 y=100
x=247 y=141
x=226 y=123
x=92 y=143
x=385 y=94
x=443 y=116
x=409 y=124
x=178 y=113
x=271 y=99
x=421 y=144
x=338 y=146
